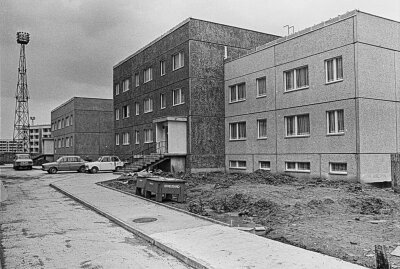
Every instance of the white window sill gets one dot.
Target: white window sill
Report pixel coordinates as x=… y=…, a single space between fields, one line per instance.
x=234 y=140
x=298 y=171
x=261 y=96
x=163 y=107
x=237 y=101
x=136 y=143
x=147 y=81
x=180 y=67
x=297 y=89
x=265 y=169
x=148 y=142
x=297 y=136
x=238 y=168
x=162 y=75
x=148 y=111
x=333 y=81
x=338 y=173
x=125 y=144
x=178 y=104
x=335 y=134
x=262 y=138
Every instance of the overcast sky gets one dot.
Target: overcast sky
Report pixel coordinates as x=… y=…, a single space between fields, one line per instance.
x=75 y=43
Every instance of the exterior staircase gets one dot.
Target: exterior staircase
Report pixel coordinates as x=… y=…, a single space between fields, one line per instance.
x=144 y=162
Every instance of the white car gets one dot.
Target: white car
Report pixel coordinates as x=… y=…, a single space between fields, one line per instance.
x=104 y=163
x=22 y=161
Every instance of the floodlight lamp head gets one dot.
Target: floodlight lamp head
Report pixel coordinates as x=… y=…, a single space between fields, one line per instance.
x=22 y=38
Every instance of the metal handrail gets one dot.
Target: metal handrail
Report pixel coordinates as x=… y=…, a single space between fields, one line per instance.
x=147 y=148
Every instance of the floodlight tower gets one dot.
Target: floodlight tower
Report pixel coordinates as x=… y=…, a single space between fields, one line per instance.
x=21 y=122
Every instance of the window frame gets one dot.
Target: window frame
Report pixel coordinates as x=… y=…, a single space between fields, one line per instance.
x=181 y=97
x=117 y=114
x=296 y=169
x=337 y=172
x=125 y=111
x=236 y=87
x=258 y=88
x=150 y=104
x=125 y=138
x=148 y=132
x=181 y=61
x=137 y=138
x=117 y=89
x=336 y=123
x=335 y=70
x=163 y=101
x=137 y=108
x=125 y=85
x=295 y=86
x=117 y=139
x=150 y=74
x=258 y=128
x=237 y=131
x=137 y=81
x=296 y=129
x=162 y=68
x=237 y=164
x=266 y=169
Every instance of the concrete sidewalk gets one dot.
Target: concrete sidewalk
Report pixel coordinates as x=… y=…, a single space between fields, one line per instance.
x=198 y=242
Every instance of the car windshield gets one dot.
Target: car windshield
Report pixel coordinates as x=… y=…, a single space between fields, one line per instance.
x=59 y=159
x=99 y=159
x=23 y=156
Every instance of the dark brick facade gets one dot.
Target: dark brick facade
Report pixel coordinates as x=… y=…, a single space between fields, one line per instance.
x=201 y=80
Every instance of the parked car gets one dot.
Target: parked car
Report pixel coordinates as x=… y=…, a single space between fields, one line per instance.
x=104 y=163
x=22 y=160
x=65 y=163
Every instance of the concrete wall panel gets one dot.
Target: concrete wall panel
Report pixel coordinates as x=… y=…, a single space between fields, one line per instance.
x=375 y=168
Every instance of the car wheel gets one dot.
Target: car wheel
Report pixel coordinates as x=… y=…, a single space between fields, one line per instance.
x=53 y=170
x=117 y=169
x=94 y=170
x=81 y=169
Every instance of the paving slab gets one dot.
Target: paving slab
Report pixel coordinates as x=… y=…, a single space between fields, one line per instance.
x=198 y=242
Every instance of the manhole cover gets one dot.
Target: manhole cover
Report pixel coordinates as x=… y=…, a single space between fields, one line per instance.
x=144 y=220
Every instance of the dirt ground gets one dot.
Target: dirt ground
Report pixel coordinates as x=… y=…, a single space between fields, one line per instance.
x=338 y=218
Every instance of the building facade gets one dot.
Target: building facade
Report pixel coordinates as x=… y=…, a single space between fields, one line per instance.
x=36 y=135
x=169 y=96
x=9 y=145
x=323 y=102
x=84 y=127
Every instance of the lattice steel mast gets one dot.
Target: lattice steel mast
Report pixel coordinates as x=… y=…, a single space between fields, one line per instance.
x=21 y=122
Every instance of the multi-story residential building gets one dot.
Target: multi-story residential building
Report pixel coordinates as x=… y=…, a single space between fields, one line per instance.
x=84 y=127
x=169 y=96
x=322 y=102
x=36 y=135
x=9 y=145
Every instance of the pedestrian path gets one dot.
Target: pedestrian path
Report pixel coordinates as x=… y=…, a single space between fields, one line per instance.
x=198 y=242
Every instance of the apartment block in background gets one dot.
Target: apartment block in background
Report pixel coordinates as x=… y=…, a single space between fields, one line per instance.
x=323 y=102
x=169 y=96
x=84 y=127
x=36 y=135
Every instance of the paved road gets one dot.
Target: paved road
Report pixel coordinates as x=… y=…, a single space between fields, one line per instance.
x=41 y=228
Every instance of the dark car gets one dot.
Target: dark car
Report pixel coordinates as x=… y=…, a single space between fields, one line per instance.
x=22 y=160
x=65 y=163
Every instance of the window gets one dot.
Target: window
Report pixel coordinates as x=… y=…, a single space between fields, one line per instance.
x=264 y=165
x=262 y=128
x=136 y=137
x=163 y=101
x=116 y=89
x=148 y=74
x=237 y=93
x=298 y=125
x=178 y=97
x=334 y=69
x=71 y=141
x=117 y=114
x=162 y=68
x=70 y=120
x=261 y=87
x=137 y=108
x=237 y=130
x=148 y=105
x=125 y=85
x=298 y=167
x=67 y=121
x=335 y=121
x=62 y=123
x=296 y=79
x=148 y=135
x=237 y=164
x=338 y=168
x=137 y=79
x=117 y=139
x=177 y=61
x=62 y=142
x=125 y=138
x=67 y=142
x=59 y=124
x=125 y=111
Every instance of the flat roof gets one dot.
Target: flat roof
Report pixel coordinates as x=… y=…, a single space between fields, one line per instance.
x=77 y=97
